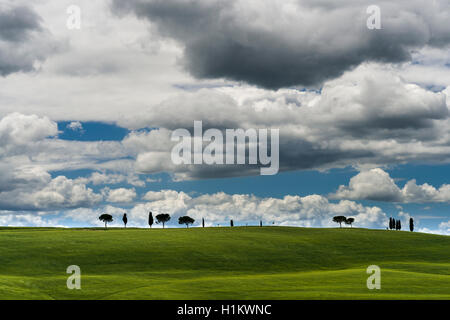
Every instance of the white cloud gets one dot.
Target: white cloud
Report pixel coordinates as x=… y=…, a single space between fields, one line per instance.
x=313 y=210
x=443 y=228
x=18 y=129
x=15 y=219
x=120 y=195
x=75 y=126
x=100 y=178
x=59 y=192
x=376 y=184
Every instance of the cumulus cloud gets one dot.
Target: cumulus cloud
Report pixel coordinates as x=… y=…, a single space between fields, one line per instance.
x=56 y=193
x=19 y=129
x=75 y=126
x=443 y=228
x=313 y=210
x=24 y=42
x=101 y=178
x=120 y=195
x=219 y=208
x=346 y=124
x=276 y=44
x=376 y=184
x=23 y=219
x=29 y=151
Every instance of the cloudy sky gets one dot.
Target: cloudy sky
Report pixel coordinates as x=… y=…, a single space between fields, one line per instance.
x=86 y=114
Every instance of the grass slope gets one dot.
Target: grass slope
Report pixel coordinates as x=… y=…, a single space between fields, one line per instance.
x=223 y=263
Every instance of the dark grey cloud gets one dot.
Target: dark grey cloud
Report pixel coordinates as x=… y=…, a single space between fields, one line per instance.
x=23 y=40
x=17 y=23
x=280 y=44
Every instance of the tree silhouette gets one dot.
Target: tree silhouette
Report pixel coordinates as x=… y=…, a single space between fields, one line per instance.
x=203 y=222
x=260 y=223
x=106 y=218
x=411 y=224
x=162 y=218
x=394 y=224
x=150 y=219
x=339 y=219
x=350 y=221
x=186 y=220
x=231 y=223
x=398 y=225
x=125 y=219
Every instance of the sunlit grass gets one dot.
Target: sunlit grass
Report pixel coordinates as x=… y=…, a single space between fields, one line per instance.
x=223 y=263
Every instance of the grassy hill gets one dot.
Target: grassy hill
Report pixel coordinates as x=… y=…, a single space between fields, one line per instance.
x=223 y=263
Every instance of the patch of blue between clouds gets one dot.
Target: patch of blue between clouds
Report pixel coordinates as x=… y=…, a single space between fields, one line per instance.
x=91 y=131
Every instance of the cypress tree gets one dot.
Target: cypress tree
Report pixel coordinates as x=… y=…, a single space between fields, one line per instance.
x=411 y=224
x=125 y=219
x=150 y=219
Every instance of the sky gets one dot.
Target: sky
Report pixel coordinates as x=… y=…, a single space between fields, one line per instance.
x=91 y=92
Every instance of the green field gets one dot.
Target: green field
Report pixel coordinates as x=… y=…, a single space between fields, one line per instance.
x=223 y=263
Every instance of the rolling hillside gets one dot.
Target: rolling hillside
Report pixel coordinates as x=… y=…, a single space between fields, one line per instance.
x=223 y=263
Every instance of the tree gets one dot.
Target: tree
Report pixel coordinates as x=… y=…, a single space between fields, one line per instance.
x=150 y=219
x=203 y=222
x=162 y=218
x=260 y=223
x=398 y=225
x=339 y=219
x=350 y=221
x=411 y=224
x=106 y=218
x=231 y=223
x=390 y=223
x=186 y=220
x=125 y=219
